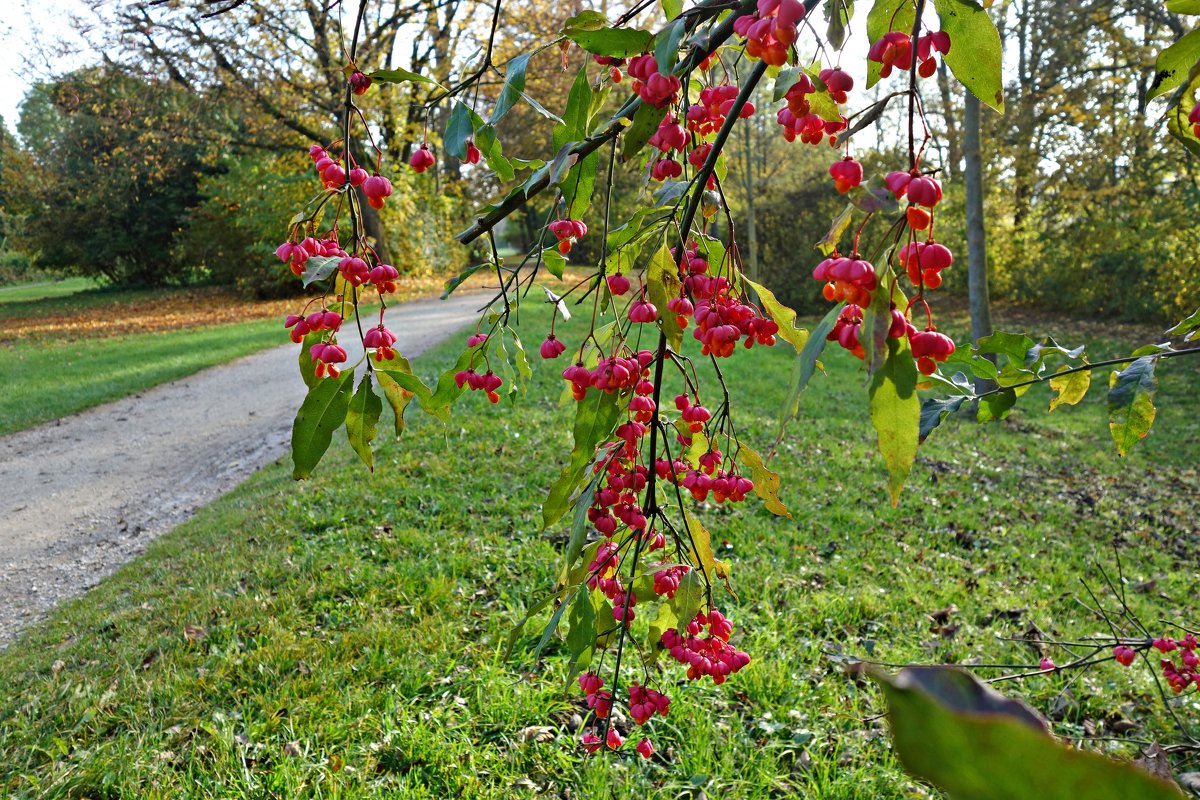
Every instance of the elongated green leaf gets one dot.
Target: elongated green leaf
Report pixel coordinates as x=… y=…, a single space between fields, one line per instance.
x=934 y=411
x=896 y=413
x=401 y=76
x=1175 y=64
x=595 y=419
x=515 y=633
x=555 y=618
x=459 y=129
x=783 y=316
x=838 y=14
x=1189 y=325
x=575 y=117
x=996 y=406
x=1131 y=408
x=362 y=420
x=645 y=122
x=580 y=185
x=1014 y=345
x=701 y=543
x=836 y=231
x=585 y=21
x=1069 y=389
x=666 y=46
x=308 y=367
x=975 y=744
x=397 y=395
x=615 y=42
x=1178 y=123
x=318 y=268
x=975 y=49
x=581 y=637
x=514 y=85
x=884 y=16
x=322 y=412
x=688 y=599
x=766 y=481
x=1183 y=6
x=662 y=284
x=579 y=526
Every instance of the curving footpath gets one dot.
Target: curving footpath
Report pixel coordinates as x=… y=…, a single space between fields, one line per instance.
x=82 y=495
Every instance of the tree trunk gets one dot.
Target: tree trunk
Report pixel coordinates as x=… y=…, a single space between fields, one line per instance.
x=950 y=114
x=977 y=279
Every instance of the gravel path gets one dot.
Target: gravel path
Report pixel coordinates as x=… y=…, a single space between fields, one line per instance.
x=82 y=495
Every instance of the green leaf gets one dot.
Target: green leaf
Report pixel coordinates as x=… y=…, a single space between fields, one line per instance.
x=585 y=21
x=1131 y=409
x=688 y=599
x=996 y=406
x=662 y=284
x=671 y=8
x=579 y=526
x=1013 y=345
x=975 y=744
x=701 y=542
x=461 y=278
x=491 y=150
x=666 y=46
x=838 y=14
x=837 y=230
x=896 y=413
x=615 y=42
x=1183 y=6
x=401 y=76
x=934 y=411
x=322 y=412
x=555 y=261
x=362 y=420
x=665 y=620
x=766 y=481
x=806 y=367
x=575 y=117
x=520 y=626
x=783 y=316
x=581 y=637
x=308 y=367
x=398 y=395
x=1188 y=325
x=975 y=49
x=1178 y=123
x=318 y=268
x=645 y=122
x=885 y=16
x=459 y=129
x=1070 y=388
x=595 y=419
x=580 y=186
x=552 y=625
x=514 y=86
x=1175 y=64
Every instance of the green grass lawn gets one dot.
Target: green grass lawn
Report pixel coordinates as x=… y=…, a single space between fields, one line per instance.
x=26 y=292
x=342 y=638
x=44 y=381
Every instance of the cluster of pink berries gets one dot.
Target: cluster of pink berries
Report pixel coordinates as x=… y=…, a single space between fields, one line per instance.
x=356 y=271
x=567 y=231
x=653 y=87
x=923 y=193
x=772 y=31
x=612 y=374
x=381 y=340
x=710 y=656
x=847 y=278
x=797 y=117
x=487 y=382
x=895 y=49
x=327 y=355
x=669 y=137
x=706 y=117
x=666 y=581
x=924 y=262
x=846 y=174
x=314 y=322
x=296 y=254
x=1178 y=676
